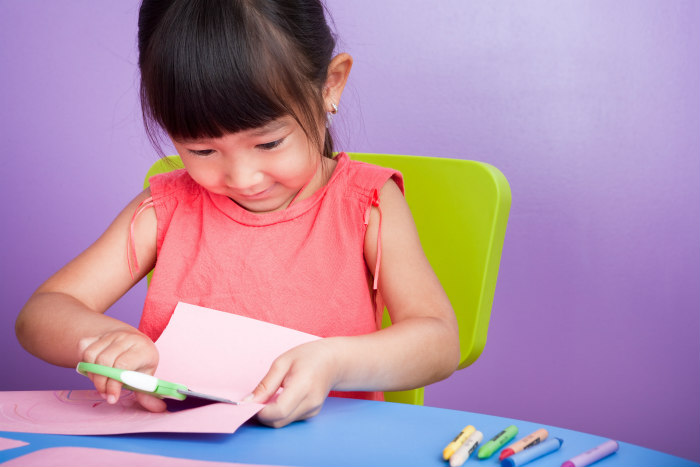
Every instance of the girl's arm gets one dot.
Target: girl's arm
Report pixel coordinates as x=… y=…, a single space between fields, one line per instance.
x=421 y=346
x=64 y=323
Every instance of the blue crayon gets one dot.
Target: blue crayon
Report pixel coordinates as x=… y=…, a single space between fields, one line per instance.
x=532 y=453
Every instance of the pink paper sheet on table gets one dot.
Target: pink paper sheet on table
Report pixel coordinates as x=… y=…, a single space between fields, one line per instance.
x=93 y=457
x=210 y=351
x=6 y=443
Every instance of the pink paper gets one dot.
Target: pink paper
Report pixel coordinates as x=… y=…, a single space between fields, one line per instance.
x=93 y=457
x=210 y=351
x=6 y=443
x=220 y=353
x=86 y=413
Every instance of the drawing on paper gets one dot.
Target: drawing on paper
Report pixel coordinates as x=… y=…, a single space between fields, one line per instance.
x=67 y=408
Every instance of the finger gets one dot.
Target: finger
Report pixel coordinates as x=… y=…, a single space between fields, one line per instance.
x=103 y=352
x=83 y=344
x=128 y=360
x=135 y=359
x=271 y=382
x=94 y=350
x=113 y=389
x=151 y=403
x=312 y=409
x=277 y=416
x=100 y=383
x=109 y=387
x=272 y=415
x=301 y=399
x=289 y=406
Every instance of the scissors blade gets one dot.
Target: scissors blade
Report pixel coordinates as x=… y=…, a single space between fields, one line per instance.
x=199 y=395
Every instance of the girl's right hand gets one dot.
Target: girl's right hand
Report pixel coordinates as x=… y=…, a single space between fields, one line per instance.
x=126 y=349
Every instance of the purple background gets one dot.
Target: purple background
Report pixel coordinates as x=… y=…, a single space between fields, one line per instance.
x=590 y=108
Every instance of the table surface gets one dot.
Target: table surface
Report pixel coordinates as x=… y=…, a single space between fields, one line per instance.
x=348 y=432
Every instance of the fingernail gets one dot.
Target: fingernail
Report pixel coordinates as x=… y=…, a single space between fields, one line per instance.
x=111 y=399
x=248 y=398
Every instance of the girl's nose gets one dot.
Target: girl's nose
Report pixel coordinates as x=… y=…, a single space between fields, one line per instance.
x=242 y=176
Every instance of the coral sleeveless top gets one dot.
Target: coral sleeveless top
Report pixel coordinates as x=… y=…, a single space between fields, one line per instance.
x=302 y=267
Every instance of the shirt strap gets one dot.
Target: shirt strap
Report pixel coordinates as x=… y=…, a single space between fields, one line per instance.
x=374 y=201
x=131 y=243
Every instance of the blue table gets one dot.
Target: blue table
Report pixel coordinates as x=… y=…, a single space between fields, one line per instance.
x=348 y=433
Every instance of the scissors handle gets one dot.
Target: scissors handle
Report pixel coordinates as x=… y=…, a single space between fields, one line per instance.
x=135 y=380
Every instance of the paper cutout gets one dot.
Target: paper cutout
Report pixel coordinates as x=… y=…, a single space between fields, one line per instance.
x=6 y=443
x=209 y=351
x=93 y=457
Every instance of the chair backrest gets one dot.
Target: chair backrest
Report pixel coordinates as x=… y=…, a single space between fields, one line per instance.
x=461 y=210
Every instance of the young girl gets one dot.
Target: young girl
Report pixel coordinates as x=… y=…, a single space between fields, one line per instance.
x=263 y=222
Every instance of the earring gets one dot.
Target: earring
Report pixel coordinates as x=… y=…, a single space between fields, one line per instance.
x=329 y=115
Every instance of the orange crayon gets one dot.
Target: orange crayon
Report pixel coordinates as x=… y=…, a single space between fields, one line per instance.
x=530 y=440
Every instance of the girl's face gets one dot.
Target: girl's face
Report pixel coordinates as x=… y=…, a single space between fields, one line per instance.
x=262 y=169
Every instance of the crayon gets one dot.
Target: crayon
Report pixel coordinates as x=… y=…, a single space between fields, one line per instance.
x=530 y=454
x=593 y=455
x=497 y=442
x=465 y=450
x=457 y=442
x=527 y=442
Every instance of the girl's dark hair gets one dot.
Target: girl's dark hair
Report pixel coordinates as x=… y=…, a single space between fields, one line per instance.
x=211 y=67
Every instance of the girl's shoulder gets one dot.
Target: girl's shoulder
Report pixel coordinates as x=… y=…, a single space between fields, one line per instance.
x=366 y=176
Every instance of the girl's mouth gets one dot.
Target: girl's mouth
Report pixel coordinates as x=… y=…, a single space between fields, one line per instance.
x=259 y=195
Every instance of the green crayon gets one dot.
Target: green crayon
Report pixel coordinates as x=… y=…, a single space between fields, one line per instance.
x=497 y=442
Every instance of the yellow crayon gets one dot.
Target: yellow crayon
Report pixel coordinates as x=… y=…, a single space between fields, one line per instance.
x=457 y=442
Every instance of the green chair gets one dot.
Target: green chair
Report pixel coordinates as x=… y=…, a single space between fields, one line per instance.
x=461 y=210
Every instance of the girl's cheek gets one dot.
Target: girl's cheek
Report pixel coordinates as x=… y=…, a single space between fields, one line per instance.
x=208 y=177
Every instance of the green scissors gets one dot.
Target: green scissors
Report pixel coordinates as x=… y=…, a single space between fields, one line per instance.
x=148 y=384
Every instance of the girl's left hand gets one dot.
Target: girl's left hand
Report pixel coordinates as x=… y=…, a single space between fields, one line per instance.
x=306 y=373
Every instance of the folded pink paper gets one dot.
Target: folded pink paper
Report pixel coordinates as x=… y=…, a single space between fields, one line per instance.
x=207 y=350
x=220 y=353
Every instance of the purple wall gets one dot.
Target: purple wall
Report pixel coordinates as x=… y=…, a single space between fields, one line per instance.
x=590 y=108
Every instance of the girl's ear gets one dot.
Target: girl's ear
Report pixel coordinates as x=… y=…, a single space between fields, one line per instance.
x=338 y=71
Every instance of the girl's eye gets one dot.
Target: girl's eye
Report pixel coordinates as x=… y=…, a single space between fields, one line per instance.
x=270 y=145
x=203 y=152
